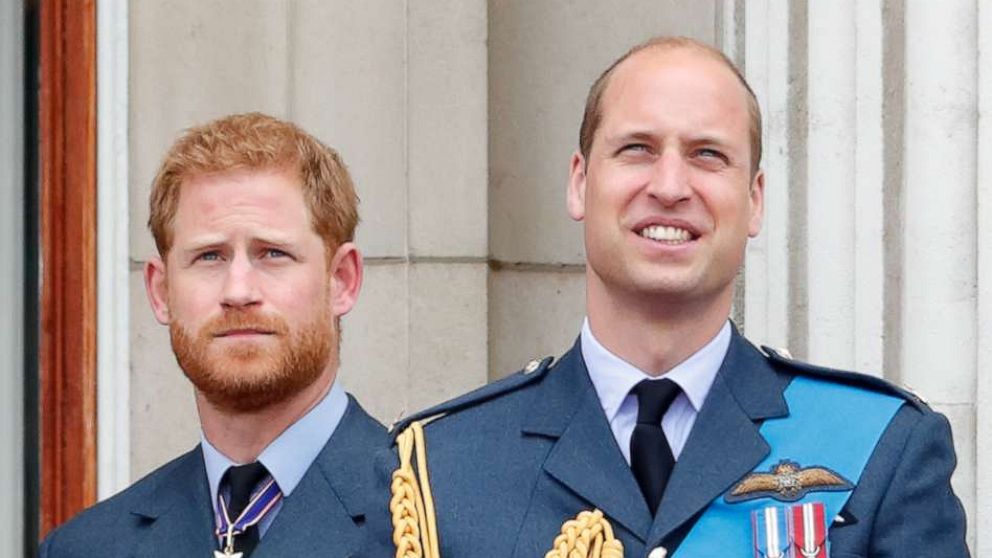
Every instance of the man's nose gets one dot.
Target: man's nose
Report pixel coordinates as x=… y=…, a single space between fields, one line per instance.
x=240 y=283
x=669 y=182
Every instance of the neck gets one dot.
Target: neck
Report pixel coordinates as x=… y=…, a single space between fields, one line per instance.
x=654 y=335
x=242 y=436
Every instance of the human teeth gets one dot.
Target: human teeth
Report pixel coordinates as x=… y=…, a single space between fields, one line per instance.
x=672 y=235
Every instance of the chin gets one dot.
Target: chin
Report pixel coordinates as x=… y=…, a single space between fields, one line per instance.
x=666 y=280
x=251 y=396
x=246 y=385
x=676 y=290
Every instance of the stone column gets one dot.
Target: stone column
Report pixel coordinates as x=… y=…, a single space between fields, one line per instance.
x=876 y=248
x=938 y=337
x=981 y=524
x=768 y=271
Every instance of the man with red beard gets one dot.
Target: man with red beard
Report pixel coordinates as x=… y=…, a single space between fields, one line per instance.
x=254 y=221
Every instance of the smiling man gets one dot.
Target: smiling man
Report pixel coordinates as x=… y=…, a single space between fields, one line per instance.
x=664 y=432
x=254 y=221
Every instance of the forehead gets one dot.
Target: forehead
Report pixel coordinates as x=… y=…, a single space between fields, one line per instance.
x=679 y=84
x=271 y=199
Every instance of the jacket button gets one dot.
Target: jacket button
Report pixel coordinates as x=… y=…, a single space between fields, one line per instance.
x=659 y=552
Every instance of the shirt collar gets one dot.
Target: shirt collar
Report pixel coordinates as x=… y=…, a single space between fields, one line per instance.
x=613 y=377
x=289 y=456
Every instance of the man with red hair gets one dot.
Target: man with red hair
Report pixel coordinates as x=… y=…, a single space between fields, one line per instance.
x=254 y=220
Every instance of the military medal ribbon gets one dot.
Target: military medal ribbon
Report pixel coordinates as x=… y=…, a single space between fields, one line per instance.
x=770 y=528
x=261 y=503
x=809 y=530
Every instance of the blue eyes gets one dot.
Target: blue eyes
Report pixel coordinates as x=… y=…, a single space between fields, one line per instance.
x=267 y=253
x=635 y=147
x=275 y=253
x=703 y=153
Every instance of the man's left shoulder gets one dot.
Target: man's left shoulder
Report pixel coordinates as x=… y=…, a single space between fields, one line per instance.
x=490 y=399
x=782 y=360
x=904 y=488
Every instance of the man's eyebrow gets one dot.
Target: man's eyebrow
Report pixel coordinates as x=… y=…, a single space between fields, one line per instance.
x=274 y=239
x=711 y=139
x=690 y=139
x=631 y=135
x=203 y=243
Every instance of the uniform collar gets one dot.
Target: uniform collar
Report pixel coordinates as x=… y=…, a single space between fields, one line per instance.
x=613 y=377
x=289 y=456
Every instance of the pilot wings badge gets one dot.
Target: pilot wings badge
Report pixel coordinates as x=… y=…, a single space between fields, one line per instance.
x=787 y=481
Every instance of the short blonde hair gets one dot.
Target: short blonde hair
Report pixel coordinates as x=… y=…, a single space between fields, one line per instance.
x=593 y=113
x=255 y=141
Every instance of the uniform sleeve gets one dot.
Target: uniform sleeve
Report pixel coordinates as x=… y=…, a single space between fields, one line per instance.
x=46 y=545
x=919 y=515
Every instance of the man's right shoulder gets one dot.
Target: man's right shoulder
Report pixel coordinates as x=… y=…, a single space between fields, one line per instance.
x=108 y=524
x=508 y=391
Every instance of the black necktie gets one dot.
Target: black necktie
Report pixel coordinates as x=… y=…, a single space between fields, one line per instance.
x=242 y=480
x=651 y=457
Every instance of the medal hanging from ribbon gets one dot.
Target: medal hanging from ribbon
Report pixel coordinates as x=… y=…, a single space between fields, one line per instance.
x=261 y=503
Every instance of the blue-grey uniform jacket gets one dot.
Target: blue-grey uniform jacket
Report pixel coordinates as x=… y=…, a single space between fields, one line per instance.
x=510 y=462
x=331 y=513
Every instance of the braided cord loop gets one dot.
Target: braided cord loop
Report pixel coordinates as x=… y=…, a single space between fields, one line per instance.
x=412 y=504
x=589 y=535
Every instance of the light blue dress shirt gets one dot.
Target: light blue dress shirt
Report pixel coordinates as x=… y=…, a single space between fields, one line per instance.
x=613 y=378
x=290 y=455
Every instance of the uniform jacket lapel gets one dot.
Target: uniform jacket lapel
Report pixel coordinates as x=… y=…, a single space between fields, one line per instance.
x=323 y=514
x=585 y=457
x=175 y=516
x=320 y=518
x=725 y=443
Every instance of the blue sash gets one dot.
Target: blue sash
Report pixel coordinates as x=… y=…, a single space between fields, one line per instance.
x=829 y=425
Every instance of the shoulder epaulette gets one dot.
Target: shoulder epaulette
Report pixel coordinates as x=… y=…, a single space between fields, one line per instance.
x=782 y=357
x=532 y=372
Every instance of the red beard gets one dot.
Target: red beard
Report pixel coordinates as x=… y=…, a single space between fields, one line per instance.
x=253 y=374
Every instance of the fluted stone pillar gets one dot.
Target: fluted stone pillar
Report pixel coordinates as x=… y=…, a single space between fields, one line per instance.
x=874 y=257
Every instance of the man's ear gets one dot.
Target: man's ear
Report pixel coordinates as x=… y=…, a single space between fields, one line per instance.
x=757 y=195
x=576 y=195
x=346 y=278
x=157 y=289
